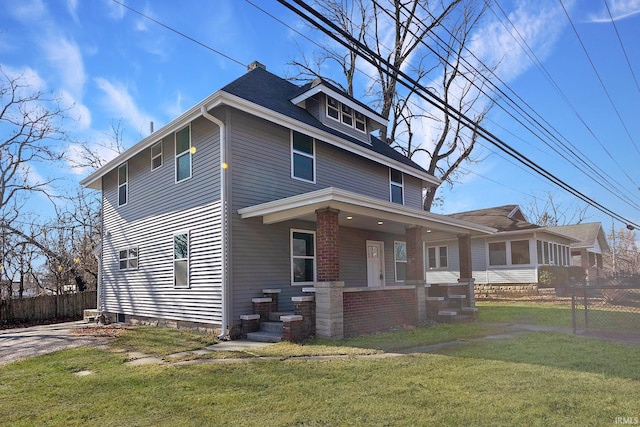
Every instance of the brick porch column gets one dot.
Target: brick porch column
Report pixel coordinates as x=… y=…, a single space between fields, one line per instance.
x=415 y=255
x=327 y=235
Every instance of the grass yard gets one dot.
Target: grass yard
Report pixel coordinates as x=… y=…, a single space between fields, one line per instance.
x=530 y=379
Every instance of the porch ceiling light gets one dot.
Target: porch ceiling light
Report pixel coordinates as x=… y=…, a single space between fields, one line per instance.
x=349 y=218
x=380 y=222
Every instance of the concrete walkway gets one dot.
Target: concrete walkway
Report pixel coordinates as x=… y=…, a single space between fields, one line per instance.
x=20 y=343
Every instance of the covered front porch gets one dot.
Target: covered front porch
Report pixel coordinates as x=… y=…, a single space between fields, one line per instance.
x=351 y=300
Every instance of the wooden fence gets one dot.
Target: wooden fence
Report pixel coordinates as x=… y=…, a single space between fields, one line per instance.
x=46 y=307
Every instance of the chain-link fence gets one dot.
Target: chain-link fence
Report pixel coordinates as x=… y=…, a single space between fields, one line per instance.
x=610 y=310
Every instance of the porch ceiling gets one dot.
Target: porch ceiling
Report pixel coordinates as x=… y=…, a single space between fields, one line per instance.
x=360 y=211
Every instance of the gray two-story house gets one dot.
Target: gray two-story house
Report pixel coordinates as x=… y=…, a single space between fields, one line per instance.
x=265 y=185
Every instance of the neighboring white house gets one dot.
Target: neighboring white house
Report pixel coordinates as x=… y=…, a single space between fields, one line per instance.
x=591 y=243
x=513 y=255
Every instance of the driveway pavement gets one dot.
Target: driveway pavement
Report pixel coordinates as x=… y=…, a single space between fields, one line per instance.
x=20 y=343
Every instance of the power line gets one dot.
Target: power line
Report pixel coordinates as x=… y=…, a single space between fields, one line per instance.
x=573 y=150
x=533 y=121
x=624 y=51
x=224 y=55
x=584 y=48
x=424 y=93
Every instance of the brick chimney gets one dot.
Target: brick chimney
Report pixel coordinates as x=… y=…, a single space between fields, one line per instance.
x=256 y=64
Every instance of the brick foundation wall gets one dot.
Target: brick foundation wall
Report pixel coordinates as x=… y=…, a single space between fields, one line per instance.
x=367 y=311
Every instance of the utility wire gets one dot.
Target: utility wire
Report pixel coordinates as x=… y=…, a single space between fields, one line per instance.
x=615 y=27
x=224 y=55
x=531 y=54
x=584 y=48
x=332 y=30
x=533 y=121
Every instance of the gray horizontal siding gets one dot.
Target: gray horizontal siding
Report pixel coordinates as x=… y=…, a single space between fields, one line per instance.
x=260 y=165
x=149 y=290
x=157 y=208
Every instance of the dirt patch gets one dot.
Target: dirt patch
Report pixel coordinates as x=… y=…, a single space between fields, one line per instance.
x=100 y=331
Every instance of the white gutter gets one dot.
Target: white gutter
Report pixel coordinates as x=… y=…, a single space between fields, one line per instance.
x=223 y=228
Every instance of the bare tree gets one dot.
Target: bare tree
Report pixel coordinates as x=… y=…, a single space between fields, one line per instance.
x=32 y=121
x=551 y=213
x=399 y=32
x=624 y=257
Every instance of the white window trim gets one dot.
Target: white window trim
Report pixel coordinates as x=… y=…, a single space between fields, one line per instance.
x=396 y=261
x=129 y=258
x=397 y=184
x=340 y=118
x=314 y=257
x=161 y=155
x=508 y=258
x=182 y=153
x=302 y=153
x=564 y=254
x=126 y=184
x=437 y=249
x=173 y=258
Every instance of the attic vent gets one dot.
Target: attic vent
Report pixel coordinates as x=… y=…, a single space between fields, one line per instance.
x=256 y=64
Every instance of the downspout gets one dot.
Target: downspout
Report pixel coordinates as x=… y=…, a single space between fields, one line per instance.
x=223 y=231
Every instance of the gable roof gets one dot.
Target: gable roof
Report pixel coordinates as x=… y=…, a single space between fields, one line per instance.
x=502 y=218
x=264 y=94
x=586 y=235
x=275 y=93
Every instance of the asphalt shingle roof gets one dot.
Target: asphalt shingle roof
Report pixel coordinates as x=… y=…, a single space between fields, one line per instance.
x=587 y=234
x=275 y=93
x=498 y=217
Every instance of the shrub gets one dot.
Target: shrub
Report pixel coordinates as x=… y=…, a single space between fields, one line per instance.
x=553 y=276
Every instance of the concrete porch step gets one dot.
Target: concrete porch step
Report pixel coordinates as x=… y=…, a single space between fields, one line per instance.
x=275 y=327
x=274 y=316
x=453 y=316
x=262 y=336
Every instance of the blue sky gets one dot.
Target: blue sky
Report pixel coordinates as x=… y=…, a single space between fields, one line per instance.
x=109 y=64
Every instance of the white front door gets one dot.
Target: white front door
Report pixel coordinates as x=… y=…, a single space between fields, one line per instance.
x=375 y=264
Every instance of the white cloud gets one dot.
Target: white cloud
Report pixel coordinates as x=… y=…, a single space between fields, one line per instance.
x=28 y=76
x=27 y=10
x=620 y=9
x=72 y=8
x=116 y=11
x=121 y=104
x=66 y=58
x=77 y=111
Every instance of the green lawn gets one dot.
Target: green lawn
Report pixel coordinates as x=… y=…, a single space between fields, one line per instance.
x=530 y=379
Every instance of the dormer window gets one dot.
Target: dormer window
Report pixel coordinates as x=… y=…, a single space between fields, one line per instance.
x=346 y=115
x=333 y=108
x=361 y=123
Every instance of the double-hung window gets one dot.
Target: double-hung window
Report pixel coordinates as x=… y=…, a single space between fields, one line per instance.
x=498 y=253
x=183 y=154
x=333 y=108
x=156 y=155
x=361 y=122
x=181 y=260
x=437 y=257
x=128 y=258
x=303 y=158
x=520 y=252
x=396 y=186
x=123 y=184
x=303 y=257
x=400 y=258
x=346 y=115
